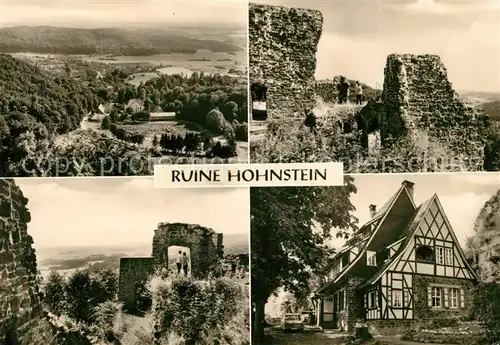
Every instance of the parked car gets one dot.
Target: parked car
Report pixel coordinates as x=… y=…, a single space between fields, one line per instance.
x=292 y=322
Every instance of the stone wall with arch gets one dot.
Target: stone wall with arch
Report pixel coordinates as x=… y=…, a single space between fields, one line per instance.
x=205 y=245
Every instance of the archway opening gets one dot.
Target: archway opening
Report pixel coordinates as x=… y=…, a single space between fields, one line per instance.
x=179 y=261
x=259 y=98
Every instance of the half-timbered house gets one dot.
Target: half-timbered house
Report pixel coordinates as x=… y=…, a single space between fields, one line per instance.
x=404 y=266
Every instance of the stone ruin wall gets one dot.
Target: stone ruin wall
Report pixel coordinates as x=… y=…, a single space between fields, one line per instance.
x=22 y=317
x=205 y=245
x=417 y=96
x=132 y=271
x=205 y=250
x=282 y=47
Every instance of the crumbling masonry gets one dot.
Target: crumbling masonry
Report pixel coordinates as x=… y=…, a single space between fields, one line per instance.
x=22 y=319
x=282 y=47
x=205 y=247
x=418 y=98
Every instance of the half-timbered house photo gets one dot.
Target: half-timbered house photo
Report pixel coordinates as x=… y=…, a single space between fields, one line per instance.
x=405 y=265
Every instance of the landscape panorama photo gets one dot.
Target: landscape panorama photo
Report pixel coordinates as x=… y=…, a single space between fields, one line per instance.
x=113 y=88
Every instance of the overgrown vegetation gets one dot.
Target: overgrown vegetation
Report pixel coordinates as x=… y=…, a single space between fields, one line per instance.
x=38 y=108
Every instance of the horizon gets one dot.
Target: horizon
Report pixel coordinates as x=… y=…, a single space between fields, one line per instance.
x=110 y=212
x=356 y=40
x=124 y=245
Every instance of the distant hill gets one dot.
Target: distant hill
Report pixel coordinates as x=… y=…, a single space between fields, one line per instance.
x=114 y=41
x=486 y=96
x=65 y=258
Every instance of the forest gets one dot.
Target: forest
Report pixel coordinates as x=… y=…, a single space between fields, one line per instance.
x=136 y=42
x=37 y=106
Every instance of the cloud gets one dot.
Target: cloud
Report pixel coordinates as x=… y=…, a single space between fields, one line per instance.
x=443 y=8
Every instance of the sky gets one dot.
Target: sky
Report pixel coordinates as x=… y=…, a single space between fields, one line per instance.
x=462 y=195
x=358 y=35
x=124 y=211
x=97 y=13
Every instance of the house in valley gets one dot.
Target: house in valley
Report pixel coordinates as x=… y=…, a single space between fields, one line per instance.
x=404 y=267
x=136 y=105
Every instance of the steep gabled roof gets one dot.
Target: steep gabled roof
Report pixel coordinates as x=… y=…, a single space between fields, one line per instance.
x=377 y=219
x=412 y=227
x=417 y=219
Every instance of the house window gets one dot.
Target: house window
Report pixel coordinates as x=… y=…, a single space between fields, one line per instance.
x=372 y=299
x=448 y=256
x=453 y=298
x=440 y=255
x=424 y=254
x=371 y=258
x=436 y=296
x=397 y=298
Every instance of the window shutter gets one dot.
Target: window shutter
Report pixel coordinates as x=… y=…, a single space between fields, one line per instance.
x=366 y=301
x=389 y=296
x=462 y=298
x=445 y=297
x=376 y=298
x=429 y=296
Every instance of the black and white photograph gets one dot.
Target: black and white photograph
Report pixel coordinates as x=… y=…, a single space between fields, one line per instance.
x=117 y=261
x=383 y=86
x=92 y=88
x=385 y=259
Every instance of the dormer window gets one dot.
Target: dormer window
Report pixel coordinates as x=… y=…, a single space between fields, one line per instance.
x=371 y=258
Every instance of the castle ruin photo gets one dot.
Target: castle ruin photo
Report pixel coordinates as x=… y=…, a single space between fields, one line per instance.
x=205 y=249
x=415 y=112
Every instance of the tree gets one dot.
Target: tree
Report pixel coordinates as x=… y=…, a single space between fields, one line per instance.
x=79 y=292
x=216 y=121
x=289 y=226
x=106 y=123
x=54 y=295
x=155 y=141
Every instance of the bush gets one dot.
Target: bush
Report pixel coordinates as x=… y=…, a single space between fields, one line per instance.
x=200 y=312
x=486 y=307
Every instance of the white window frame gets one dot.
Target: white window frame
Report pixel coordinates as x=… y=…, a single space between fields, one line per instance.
x=448 y=256
x=370 y=300
x=371 y=258
x=437 y=296
x=440 y=255
x=397 y=298
x=453 y=295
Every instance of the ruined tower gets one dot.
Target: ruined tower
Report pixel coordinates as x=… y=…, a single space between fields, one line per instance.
x=418 y=98
x=282 y=47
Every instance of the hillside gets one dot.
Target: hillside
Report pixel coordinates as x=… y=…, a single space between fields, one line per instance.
x=58 y=103
x=133 y=42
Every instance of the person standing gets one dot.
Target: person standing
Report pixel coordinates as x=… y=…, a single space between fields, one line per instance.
x=179 y=262
x=185 y=263
x=343 y=88
x=359 y=93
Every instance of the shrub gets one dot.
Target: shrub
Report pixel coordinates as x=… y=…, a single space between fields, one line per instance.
x=486 y=307
x=200 y=312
